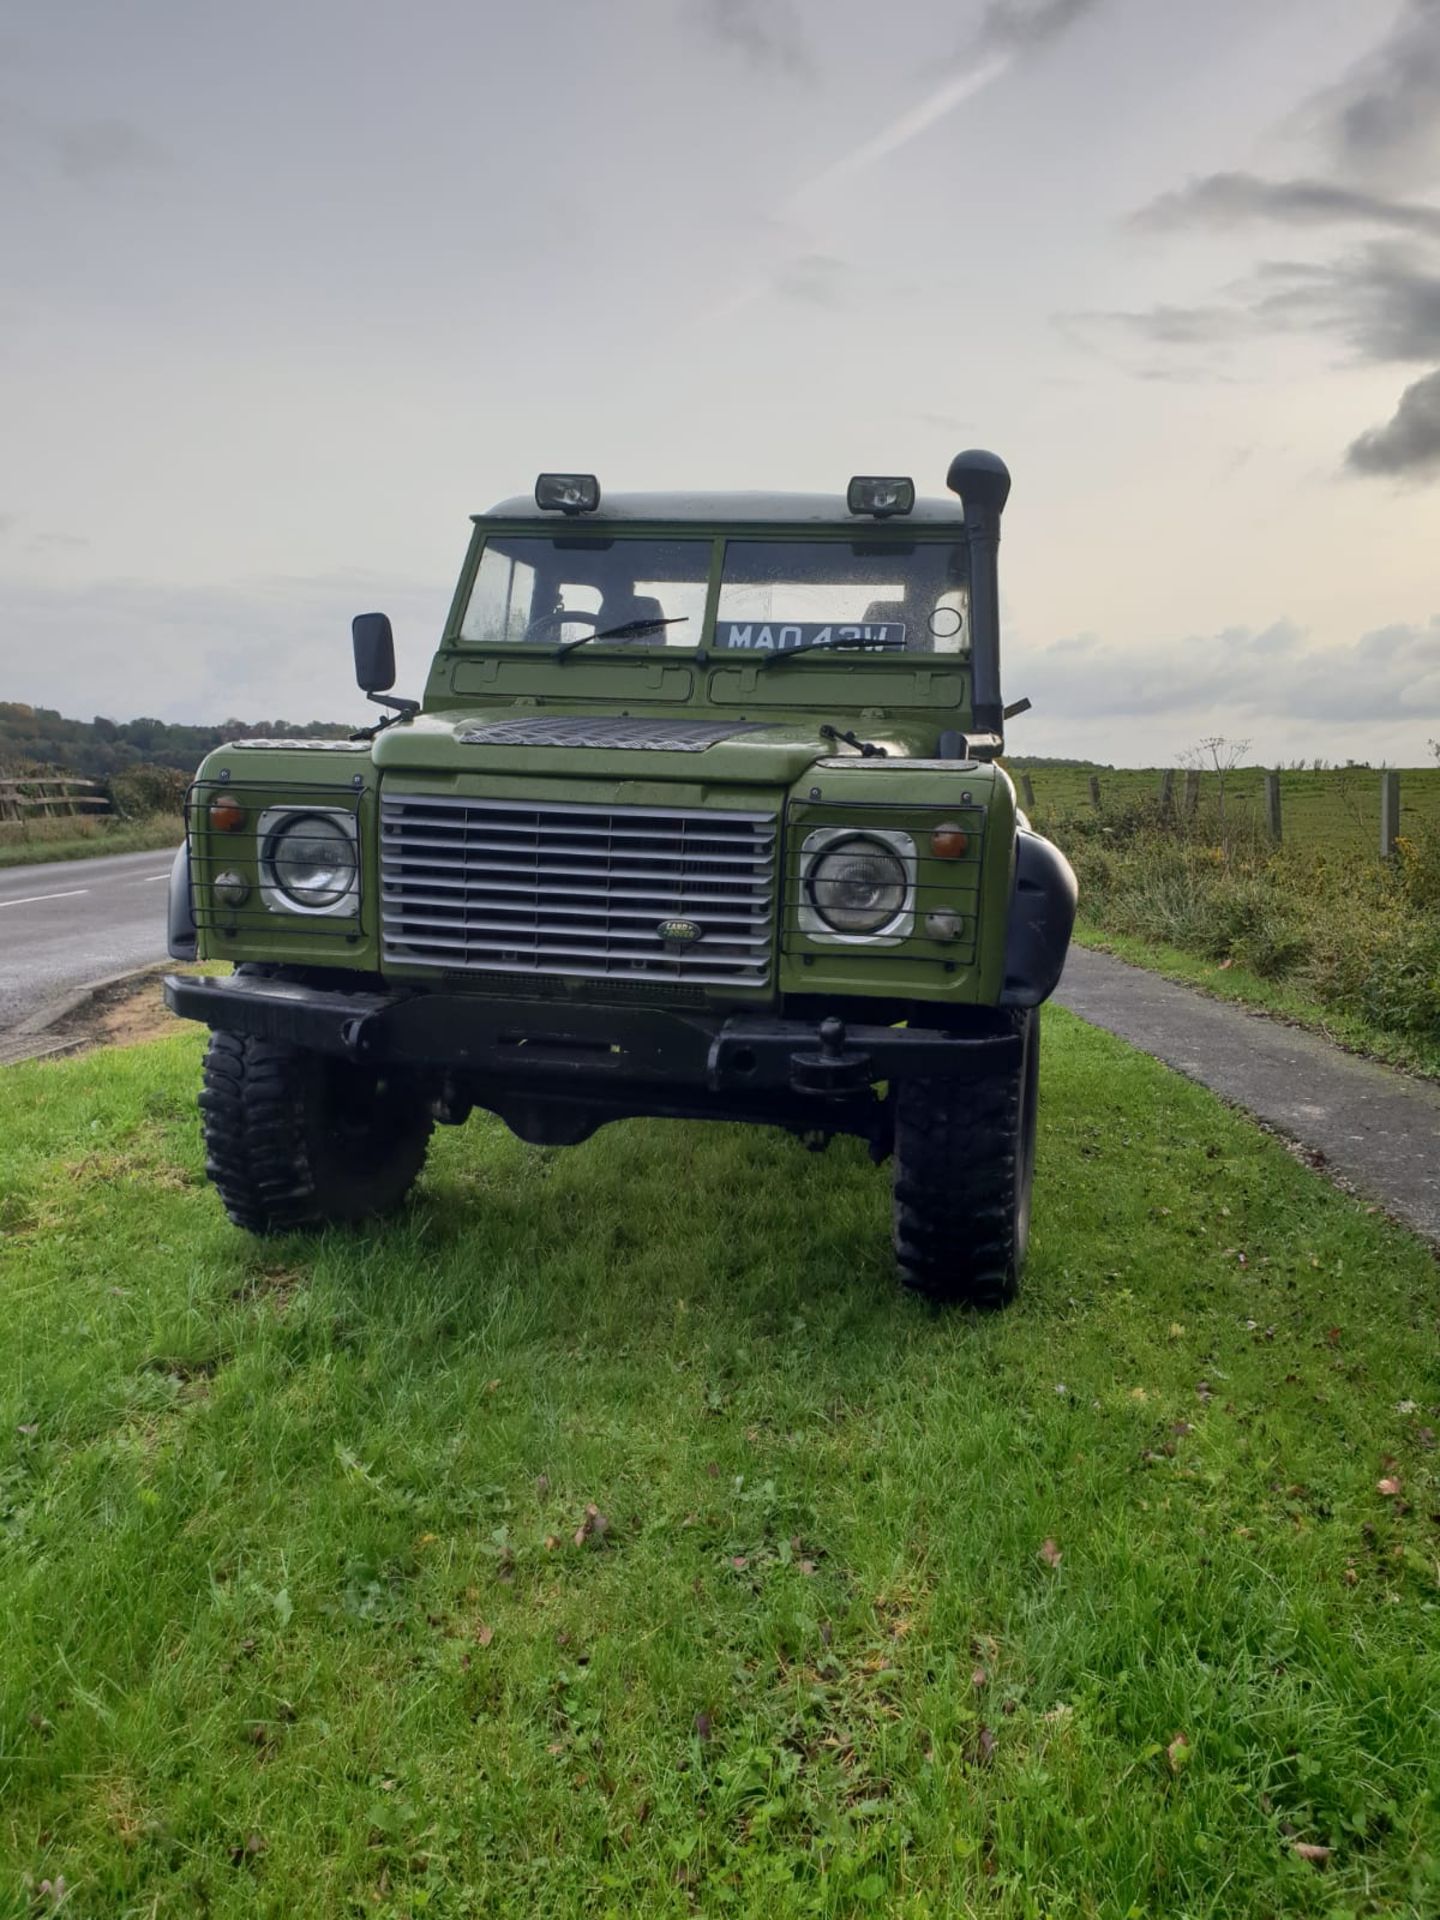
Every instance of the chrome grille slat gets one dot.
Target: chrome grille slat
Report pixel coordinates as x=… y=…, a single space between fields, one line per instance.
x=653 y=836
x=503 y=886
x=427 y=882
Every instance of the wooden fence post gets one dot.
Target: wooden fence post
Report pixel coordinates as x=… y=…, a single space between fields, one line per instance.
x=1273 y=821
x=1389 y=813
x=1095 y=791
x=1167 y=789
x=1027 y=788
x=1192 y=792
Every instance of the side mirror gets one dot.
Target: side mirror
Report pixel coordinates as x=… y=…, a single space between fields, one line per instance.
x=374 y=652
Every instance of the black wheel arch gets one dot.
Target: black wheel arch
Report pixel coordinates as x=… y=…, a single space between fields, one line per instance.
x=1042 y=919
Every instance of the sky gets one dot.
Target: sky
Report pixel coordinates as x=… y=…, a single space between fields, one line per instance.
x=290 y=290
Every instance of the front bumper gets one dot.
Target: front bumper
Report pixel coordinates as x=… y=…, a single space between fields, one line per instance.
x=549 y=1048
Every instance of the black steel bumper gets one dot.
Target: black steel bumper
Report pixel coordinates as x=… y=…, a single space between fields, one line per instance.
x=551 y=1047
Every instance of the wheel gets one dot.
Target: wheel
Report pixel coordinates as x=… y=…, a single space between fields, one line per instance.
x=964 y=1165
x=298 y=1139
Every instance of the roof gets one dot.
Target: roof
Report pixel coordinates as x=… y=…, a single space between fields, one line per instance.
x=727 y=509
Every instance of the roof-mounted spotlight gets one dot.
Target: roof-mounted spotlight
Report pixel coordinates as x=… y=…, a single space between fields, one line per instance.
x=870 y=493
x=567 y=493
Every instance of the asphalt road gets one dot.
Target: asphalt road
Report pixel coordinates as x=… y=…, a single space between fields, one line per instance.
x=1377 y=1130
x=70 y=923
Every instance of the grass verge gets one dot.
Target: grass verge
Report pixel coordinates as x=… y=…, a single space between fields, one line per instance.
x=607 y=1536
x=1280 y=998
x=36 y=841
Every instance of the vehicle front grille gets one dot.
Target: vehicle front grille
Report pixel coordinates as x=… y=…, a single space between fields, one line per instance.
x=501 y=886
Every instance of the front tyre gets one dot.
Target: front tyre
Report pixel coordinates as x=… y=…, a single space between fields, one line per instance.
x=297 y=1139
x=964 y=1165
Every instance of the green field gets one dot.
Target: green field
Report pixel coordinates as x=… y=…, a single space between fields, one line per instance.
x=1332 y=807
x=608 y=1536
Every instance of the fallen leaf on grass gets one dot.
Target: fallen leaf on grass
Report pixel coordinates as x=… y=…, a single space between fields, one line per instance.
x=1389 y=1486
x=252 y=1846
x=484 y=1634
x=979 y=1678
x=1307 y=1850
x=739 y=1562
x=702 y=1726
x=1178 y=1752
x=1050 y=1553
x=985 y=1746
x=29 y=1428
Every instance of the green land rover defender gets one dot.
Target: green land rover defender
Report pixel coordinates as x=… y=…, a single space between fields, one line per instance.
x=700 y=816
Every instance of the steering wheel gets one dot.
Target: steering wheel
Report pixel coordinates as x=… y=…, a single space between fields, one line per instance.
x=548 y=622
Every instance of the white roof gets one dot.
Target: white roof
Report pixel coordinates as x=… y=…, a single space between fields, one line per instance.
x=728 y=509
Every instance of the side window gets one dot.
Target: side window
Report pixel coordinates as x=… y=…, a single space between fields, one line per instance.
x=501 y=599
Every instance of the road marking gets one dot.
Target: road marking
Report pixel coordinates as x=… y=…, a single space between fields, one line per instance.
x=146 y=878
x=72 y=893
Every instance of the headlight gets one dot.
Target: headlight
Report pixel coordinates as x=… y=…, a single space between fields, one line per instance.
x=308 y=861
x=857 y=885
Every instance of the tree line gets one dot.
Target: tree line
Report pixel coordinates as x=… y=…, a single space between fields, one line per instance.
x=34 y=737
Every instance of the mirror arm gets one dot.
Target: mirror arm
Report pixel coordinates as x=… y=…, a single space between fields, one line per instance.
x=402 y=707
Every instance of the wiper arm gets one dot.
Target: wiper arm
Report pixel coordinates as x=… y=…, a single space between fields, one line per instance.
x=866 y=748
x=829 y=646
x=627 y=630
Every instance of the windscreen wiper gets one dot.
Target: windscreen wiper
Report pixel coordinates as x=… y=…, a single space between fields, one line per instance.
x=827 y=646
x=627 y=630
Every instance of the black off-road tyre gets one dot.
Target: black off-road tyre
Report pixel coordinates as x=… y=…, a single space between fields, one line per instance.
x=964 y=1164
x=297 y=1139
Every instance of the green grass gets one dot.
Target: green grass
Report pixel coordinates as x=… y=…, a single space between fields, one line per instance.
x=33 y=841
x=1330 y=807
x=295 y=1621
x=1286 y=999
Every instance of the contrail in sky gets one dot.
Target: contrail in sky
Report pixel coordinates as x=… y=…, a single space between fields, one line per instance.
x=901 y=132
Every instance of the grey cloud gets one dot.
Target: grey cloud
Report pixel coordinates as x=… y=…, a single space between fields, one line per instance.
x=814 y=280
x=1248 y=676
x=1015 y=24
x=52 y=542
x=1380 y=301
x=97 y=149
x=87 y=152
x=1408 y=445
x=1383 y=117
x=766 y=33
x=1167 y=326
x=1227 y=199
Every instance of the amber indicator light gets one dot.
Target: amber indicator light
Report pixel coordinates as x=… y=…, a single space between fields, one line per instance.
x=949 y=843
x=226 y=814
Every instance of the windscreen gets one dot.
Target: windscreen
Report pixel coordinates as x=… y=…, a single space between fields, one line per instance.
x=776 y=596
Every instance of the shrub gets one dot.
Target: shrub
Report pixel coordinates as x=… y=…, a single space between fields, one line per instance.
x=1355 y=935
x=141 y=791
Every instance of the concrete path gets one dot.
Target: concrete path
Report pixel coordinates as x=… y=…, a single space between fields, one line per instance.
x=1379 y=1131
x=69 y=924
